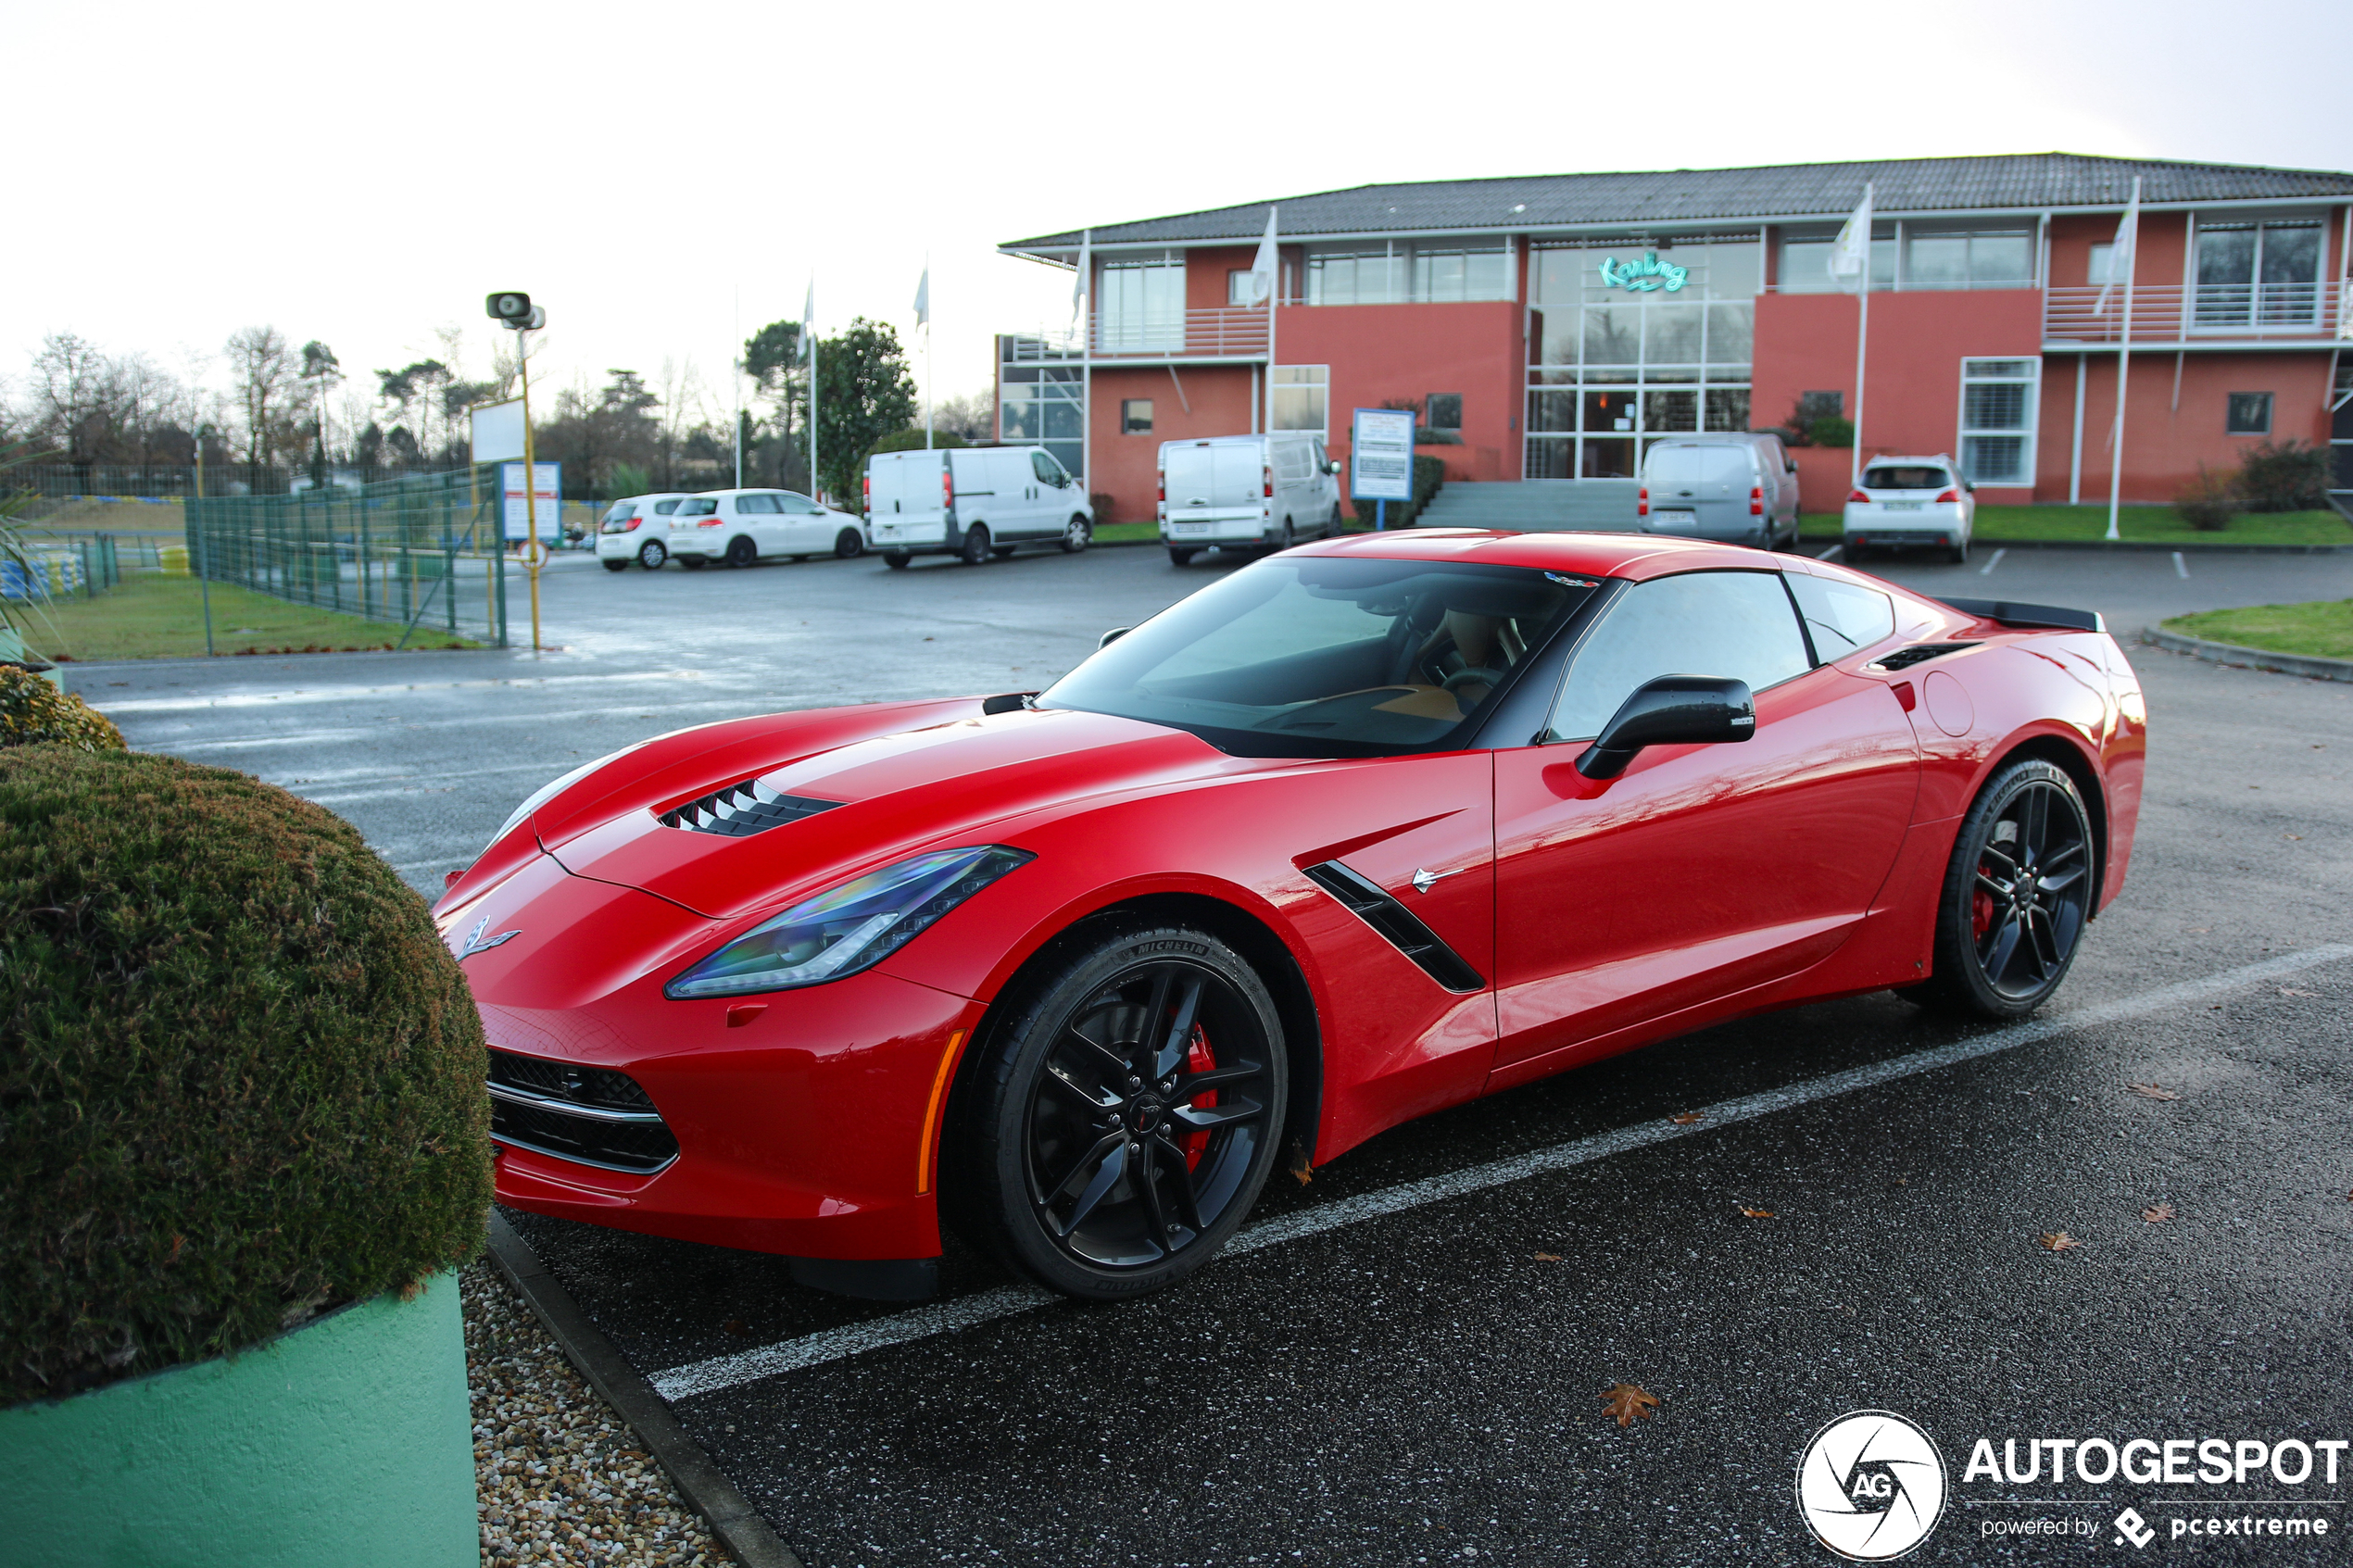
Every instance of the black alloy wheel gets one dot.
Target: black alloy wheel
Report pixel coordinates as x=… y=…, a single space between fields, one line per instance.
x=1121 y=1119
x=848 y=544
x=2017 y=895
x=651 y=554
x=975 y=546
x=897 y=560
x=741 y=551
x=1077 y=533
x=1177 y=555
x=616 y=566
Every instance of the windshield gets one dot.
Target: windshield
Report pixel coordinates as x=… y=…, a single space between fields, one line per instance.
x=1316 y=657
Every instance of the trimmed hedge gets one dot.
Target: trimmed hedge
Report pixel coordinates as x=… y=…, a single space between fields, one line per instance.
x=242 y=1078
x=33 y=712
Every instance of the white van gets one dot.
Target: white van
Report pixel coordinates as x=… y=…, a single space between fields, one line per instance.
x=1737 y=488
x=973 y=502
x=1246 y=492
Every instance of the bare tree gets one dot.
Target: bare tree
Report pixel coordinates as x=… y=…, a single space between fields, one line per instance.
x=263 y=369
x=971 y=415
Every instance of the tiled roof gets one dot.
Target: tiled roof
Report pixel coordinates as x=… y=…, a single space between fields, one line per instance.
x=1683 y=195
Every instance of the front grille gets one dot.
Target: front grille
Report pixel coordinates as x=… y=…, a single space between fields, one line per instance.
x=1903 y=658
x=590 y=1114
x=742 y=809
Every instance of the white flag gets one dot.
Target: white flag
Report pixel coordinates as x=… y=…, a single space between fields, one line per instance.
x=2120 y=256
x=809 y=320
x=1083 y=274
x=1266 y=265
x=1851 y=256
x=922 y=298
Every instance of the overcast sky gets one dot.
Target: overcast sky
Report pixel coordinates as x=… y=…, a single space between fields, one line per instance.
x=363 y=175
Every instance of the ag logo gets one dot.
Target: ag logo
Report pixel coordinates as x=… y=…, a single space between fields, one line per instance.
x=1871 y=1485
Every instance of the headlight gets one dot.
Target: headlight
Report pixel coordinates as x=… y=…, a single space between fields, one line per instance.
x=554 y=787
x=847 y=928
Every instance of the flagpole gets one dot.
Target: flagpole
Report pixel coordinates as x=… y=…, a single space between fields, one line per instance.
x=1862 y=343
x=2123 y=365
x=1085 y=282
x=1274 y=302
x=737 y=364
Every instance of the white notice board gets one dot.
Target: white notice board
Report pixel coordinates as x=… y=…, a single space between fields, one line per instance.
x=550 y=500
x=1380 y=455
x=498 y=430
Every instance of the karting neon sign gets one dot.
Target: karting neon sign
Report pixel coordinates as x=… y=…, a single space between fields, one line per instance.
x=1645 y=276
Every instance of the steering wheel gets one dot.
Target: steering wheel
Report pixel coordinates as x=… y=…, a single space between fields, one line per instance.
x=1476 y=676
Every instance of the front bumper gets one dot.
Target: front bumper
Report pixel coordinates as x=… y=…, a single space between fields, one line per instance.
x=803 y=1120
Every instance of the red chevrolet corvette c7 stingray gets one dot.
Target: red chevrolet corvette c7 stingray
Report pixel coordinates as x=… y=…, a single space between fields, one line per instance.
x=1360 y=830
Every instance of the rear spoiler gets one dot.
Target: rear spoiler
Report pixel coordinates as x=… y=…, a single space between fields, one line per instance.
x=2051 y=618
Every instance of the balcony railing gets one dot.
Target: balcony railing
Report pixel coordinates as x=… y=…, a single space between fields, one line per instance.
x=1225 y=334
x=2172 y=312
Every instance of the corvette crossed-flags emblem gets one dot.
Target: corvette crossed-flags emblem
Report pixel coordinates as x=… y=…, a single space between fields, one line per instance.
x=474 y=944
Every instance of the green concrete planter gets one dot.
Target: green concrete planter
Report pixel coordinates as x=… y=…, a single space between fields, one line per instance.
x=348 y=1442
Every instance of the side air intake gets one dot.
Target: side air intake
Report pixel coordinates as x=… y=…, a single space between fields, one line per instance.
x=1371 y=903
x=742 y=809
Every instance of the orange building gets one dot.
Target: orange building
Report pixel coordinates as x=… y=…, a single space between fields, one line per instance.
x=1548 y=327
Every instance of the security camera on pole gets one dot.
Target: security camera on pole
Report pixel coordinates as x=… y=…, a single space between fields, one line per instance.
x=513 y=308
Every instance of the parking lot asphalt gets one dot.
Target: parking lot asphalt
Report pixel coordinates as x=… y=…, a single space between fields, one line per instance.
x=1415 y=1375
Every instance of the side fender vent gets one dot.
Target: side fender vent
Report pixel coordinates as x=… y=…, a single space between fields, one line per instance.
x=1903 y=658
x=742 y=809
x=1371 y=903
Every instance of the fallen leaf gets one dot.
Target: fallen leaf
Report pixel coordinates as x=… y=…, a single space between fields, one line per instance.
x=2158 y=1215
x=1689 y=1117
x=2200 y=930
x=735 y=1326
x=2152 y=1091
x=2292 y=991
x=2057 y=1241
x=1548 y=1257
x=1757 y=1213
x=1299 y=1166
x=2297 y=837
x=1903 y=1181
x=1626 y=1401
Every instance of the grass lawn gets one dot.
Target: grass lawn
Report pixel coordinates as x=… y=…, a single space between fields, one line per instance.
x=1128 y=533
x=153 y=616
x=2148 y=525
x=2323 y=630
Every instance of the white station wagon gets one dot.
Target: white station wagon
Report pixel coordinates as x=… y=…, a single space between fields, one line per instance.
x=1911 y=504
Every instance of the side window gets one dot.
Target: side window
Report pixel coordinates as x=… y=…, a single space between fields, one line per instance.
x=1843 y=617
x=663 y=508
x=1732 y=624
x=794 y=501
x=1047 y=470
x=764 y=506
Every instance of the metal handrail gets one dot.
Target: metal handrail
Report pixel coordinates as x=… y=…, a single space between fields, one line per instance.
x=2178 y=311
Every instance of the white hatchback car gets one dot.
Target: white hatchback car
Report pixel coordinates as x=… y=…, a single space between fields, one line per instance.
x=638 y=528
x=1911 y=503
x=742 y=526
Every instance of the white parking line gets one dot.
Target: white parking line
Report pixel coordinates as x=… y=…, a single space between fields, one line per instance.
x=835 y=1344
x=1987 y=570
x=2181 y=567
x=1830 y=554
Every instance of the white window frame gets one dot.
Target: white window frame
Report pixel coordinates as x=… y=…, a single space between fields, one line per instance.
x=1322 y=381
x=2026 y=430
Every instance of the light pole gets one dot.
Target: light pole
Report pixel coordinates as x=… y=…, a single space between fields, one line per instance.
x=515 y=310
x=204 y=573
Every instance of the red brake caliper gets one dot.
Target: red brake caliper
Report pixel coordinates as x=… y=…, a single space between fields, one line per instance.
x=1981 y=910
x=1197 y=1060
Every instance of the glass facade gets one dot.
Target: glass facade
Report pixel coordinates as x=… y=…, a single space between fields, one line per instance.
x=1043 y=403
x=1437 y=271
x=1632 y=339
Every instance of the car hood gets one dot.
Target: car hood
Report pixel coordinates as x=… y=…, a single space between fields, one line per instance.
x=895 y=792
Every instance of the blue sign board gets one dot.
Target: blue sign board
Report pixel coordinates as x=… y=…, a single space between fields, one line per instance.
x=1380 y=455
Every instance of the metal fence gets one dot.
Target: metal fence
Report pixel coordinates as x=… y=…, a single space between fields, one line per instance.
x=420 y=552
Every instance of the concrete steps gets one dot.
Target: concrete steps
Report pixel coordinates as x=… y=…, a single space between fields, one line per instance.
x=1535 y=506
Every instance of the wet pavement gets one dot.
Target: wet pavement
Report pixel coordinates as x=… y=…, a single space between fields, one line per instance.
x=1422 y=1384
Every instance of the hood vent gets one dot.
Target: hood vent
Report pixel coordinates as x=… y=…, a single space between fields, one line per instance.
x=742 y=809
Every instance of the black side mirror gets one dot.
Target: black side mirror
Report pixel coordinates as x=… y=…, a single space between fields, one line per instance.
x=1112 y=636
x=1671 y=711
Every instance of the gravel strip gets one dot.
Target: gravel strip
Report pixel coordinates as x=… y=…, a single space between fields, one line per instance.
x=560 y=1477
